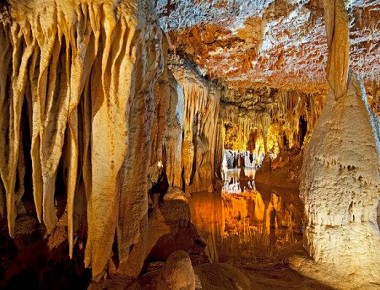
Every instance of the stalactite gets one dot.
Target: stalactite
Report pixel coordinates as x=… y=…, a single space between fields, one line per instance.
x=5 y=61
x=277 y=115
x=220 y=140
x=201 y=109
x=338 y=46
x=173 y=136
x=83 y=57
x=74 y=65
x=132 y=229
x=10 y=158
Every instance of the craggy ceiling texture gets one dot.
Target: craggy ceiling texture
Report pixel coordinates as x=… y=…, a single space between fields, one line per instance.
x=269 y=43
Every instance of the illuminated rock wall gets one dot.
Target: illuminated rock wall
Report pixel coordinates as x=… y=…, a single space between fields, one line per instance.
x=262 y=121
x=86 y=96
x=340 y=174
x=267 y=43
x=200 y=101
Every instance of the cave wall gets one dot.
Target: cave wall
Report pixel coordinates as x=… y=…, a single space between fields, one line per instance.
x=340 y=173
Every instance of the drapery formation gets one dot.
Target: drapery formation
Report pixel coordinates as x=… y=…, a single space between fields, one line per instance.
x=76 y=80
x=88 y=101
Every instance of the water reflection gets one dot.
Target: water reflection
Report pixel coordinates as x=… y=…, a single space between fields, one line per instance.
x=255 y=223
x=237 y=180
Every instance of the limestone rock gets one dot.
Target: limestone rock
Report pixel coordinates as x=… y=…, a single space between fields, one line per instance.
x=170 y=228
x=177 y=273
x=220 y=276
x=200 y=110
x=176 y=208
x=67 y=78
x=277 y=44
x=268 y=120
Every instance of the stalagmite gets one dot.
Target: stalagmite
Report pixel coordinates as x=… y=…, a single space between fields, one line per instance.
x=340 y=173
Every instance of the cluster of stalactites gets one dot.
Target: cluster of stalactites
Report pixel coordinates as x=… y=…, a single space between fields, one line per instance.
x=66 y=78
x=201 y=101
x=268 y=120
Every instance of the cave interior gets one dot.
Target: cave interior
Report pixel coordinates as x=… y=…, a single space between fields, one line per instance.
x=182 y=144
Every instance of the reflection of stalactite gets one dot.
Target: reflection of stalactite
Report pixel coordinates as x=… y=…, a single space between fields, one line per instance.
x=245 y=220
x=73 y=64
x=259 y=212
x=209 y=218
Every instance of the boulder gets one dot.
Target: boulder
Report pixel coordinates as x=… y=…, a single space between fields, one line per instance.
x=177 y=273
x=220 y=276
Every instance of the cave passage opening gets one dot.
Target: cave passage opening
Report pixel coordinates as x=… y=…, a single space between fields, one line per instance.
x=302 y=130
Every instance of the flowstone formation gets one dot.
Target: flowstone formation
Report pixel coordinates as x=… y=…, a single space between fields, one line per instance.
x=340 y=174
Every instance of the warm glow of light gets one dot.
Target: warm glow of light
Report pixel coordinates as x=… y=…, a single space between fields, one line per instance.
x=253 y=221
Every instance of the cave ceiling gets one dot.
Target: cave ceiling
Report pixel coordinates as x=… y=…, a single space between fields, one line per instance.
x=268 y=43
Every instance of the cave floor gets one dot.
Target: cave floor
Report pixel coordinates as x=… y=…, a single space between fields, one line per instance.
x=260 y=249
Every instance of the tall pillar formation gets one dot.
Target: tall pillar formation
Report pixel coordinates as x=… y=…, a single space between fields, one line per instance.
x=340 y=173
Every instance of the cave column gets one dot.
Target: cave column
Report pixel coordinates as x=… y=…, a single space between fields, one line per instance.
x=340 y=173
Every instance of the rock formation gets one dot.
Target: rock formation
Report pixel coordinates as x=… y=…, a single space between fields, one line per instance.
x=177 y=273
x=340 y=174
x=200 y=110
x=81 y=77
x=269 y=43
x=221 y=276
